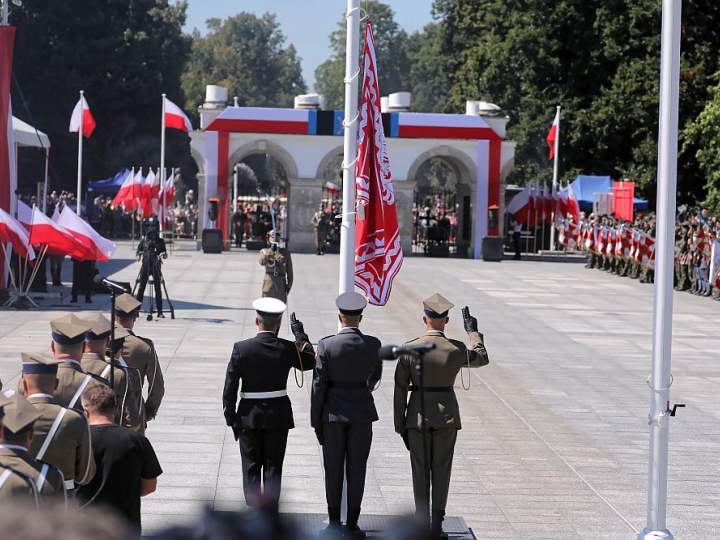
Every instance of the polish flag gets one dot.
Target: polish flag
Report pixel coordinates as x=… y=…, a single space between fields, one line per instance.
x=547 y=205
x=166 y=196
x=562 y=205
x=58 y=240
x=125 y=193
x=150 y=192
x=520 y=205
x=536 y=216
x=175 y=118
x=573 y=207
x=552 y=136
x=82 y=112
x=332 y=188
x=12 y=232
x=25 y=214
x=97 y=247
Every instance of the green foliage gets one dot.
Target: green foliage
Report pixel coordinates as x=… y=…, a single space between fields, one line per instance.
x=247 y=55
x=124 y=55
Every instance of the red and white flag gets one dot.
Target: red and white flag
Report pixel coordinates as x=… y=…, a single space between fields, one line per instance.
x=552 y=136
x=150 y=193
x=124 y=196
x=573 y=207
x=166 y=196
x=332 y=188
x=44 y=231
x=81 y=114
x=521 y=205
x=175 y=118
x=8 y=172
x=97 y=247
x=378 y=250
x=12 y=232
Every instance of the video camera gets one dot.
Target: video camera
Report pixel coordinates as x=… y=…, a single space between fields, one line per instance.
x=151 y=246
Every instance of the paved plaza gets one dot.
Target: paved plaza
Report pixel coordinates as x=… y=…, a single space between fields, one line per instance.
x=555 y=435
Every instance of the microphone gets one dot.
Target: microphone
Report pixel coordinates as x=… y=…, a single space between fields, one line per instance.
x=390 y=352
x=101 y=281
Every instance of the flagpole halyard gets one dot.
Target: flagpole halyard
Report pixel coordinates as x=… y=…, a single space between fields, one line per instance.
x=80 y=153
x=660 y=377
x=346 y=281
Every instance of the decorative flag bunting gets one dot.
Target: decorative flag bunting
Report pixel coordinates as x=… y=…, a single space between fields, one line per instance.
x=378 y=251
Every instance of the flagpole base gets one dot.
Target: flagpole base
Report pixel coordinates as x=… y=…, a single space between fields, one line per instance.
x=655 y=535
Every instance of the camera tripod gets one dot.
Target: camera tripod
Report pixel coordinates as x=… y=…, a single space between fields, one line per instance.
x=152 y=267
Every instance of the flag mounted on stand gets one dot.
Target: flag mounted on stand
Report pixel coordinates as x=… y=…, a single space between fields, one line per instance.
x=521 y=205
x=378 y=251
x=97 y=248
x=12 y=232
x=81 y=116
x=150 y=194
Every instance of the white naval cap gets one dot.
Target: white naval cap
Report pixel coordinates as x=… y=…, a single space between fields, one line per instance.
x=269 y=306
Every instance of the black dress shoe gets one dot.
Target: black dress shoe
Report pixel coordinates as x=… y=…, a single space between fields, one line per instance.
x=161 y=315
x=334 y=530
x=353 y=531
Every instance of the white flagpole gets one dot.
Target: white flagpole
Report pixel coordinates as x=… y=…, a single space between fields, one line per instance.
x=80 y=145
x=660 y=378
x=556 y=145
x=47 y=182
x=162 y=158
x=352 y=72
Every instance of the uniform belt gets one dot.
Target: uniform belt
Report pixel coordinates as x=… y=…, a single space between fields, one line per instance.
x=273 y=274
x=263 y=395
x=69 y=485
x=347 y=385
x=414 y=388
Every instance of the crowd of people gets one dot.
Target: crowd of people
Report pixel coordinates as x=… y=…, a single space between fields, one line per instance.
x=433 y=223
x=253 y=220
x=72 y=431
x=627 y=248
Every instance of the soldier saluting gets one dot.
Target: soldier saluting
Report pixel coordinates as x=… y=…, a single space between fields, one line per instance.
x=264 y=416
x=342 y=410
x=441 y=366
x=277 y=262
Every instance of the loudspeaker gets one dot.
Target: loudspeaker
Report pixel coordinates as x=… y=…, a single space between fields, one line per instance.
x=492 y=248
x=212 y=241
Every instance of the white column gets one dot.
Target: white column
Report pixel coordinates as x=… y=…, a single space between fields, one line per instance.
x=78 y=195
x=352 y=70
x=664 y=253
x=556 y=161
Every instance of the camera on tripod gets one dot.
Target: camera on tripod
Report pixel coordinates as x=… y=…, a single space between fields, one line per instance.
x=151 y=251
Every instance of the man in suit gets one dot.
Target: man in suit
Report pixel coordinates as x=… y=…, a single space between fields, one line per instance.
x=342 y=410
x=139 y=353
x=20 y=473
x=440 y=368
x=264 y=416
x=61 y=436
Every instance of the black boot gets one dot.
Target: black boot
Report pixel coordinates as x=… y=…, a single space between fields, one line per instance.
x=351 y=527
x=436 y=530
x=334 y=530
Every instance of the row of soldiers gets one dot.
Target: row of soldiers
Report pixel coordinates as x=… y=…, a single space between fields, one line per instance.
x=628 y=250
x=45 y=445
x=346 y=370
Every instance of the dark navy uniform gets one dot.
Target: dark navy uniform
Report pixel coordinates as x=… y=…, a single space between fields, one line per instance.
x=264 y=415
x=342 y=412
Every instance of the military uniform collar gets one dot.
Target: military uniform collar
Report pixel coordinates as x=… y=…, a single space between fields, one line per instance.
x=435 y=333
x=265 y=334
x=41 y=397
x=349 y=330
x=69 y=363
x=13 y=448
x=92 y=356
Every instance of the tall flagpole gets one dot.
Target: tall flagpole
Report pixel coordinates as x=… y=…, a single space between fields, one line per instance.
x=660 y=378
x=350 y=124
x=80 y=145
x=556 y=145
x=162 y=158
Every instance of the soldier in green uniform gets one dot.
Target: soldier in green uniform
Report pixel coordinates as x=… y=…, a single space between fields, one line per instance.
x=139 y=354
x=683 y=257
x=277 y=262
x=319 y=221
x=20 y=473
x=61 y=436
x=441 y=366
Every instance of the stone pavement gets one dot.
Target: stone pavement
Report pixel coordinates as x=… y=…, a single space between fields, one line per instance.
x=555 y=434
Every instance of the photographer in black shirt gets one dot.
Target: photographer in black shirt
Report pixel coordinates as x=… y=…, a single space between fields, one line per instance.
x=127 y=467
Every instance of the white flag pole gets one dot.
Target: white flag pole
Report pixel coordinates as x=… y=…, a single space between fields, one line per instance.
x=660 y=378
x=80 y=145
x=47 y=181
x=162 y=158
x=556 y=161
x=350 y=124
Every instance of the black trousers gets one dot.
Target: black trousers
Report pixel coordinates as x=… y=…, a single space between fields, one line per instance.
x=56 y=262
x=82 y=279
x=516 y=243
x=147 y=270
x=262 y=452
x=346 y=449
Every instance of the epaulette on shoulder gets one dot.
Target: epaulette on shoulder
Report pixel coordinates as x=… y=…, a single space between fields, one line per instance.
x=412 y=340
x=326 y=337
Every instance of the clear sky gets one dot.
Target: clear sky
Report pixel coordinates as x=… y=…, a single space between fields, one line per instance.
x=305 y=23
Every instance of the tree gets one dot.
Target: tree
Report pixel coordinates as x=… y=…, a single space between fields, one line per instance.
x=124 y=55
x=247 y=55
x=391 y=51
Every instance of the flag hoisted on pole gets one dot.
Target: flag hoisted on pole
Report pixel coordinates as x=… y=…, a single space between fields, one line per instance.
x=378 y=249
x=347 y=226
x=162 y=154
x=82 y=123
x=660 y=378
x=553 y=140
x=173 y=117
x=8 y=173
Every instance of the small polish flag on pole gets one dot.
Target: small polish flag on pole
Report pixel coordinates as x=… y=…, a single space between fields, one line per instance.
x=82 y=123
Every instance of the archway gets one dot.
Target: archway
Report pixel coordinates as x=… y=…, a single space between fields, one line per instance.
x=442 y=203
